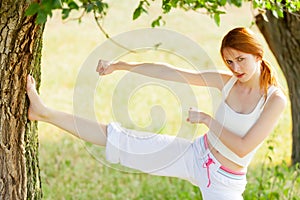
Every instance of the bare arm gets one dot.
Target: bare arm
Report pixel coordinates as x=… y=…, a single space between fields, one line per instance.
x=241 y=146
x=167 y=72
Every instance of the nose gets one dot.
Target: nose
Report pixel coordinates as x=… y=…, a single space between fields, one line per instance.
x=235 y=67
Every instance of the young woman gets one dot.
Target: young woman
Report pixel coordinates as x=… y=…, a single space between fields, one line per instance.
x=216 y=162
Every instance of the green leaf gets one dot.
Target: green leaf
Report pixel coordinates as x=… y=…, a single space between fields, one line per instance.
x=217 y=18
x=174 y=3
x=255 y=4
x=41 y=17
x=237 y=3
x=279 y=12
x=268 y=5
x=32 y=9
x=136 y=13
x=72 y=5
x=68 y=163
x=47 y=6
x=89 y=7
x=270 y=158
x=222 y=2
x=101 y=6
x=166 y=7
x=140 y=9
x=56 y=4
x=65 y=13
x=274 y=195
x=158 y=22
x=271 y=148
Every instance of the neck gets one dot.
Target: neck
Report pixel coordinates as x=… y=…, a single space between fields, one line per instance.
x=253 y=83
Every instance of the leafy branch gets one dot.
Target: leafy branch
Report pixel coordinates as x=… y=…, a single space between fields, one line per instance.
x=97 y=19
x=44 y=9
x=214 y=8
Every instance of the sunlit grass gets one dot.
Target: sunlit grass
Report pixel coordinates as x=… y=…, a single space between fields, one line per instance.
x=72 y=169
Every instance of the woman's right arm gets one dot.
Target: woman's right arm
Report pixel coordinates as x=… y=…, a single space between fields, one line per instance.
x=167 y=72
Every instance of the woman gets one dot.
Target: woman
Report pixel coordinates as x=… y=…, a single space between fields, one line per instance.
x=216 y=162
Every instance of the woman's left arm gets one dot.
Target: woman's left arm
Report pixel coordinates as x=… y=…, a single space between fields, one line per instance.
x=241 y=146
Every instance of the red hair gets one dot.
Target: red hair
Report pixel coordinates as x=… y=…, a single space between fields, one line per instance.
x=244 y=40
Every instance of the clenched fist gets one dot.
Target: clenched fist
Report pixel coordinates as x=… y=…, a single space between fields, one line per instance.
x=105 y=67
x=196 y=116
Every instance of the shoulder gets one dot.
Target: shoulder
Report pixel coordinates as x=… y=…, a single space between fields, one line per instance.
x=217 y=79
x=227 y=78
x=277 y=100
x=274 y=107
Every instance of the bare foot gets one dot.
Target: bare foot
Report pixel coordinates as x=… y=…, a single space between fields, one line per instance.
x=37 y=109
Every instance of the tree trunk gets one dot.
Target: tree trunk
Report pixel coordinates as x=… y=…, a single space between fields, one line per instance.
x=20 y=48
x=283 y=37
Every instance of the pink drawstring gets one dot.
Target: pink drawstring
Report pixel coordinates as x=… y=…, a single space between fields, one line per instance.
x=206 y=165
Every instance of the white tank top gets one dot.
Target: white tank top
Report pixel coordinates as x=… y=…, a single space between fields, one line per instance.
x=237 y=123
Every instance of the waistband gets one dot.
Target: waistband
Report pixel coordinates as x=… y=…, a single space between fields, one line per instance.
x=237 y=175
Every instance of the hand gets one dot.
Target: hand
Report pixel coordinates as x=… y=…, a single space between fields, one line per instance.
x=197 y=116
x=105 y=67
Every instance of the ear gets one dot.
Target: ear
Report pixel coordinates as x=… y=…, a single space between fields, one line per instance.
x=258 y=58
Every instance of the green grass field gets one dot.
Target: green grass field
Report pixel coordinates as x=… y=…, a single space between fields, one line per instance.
x=72 y=169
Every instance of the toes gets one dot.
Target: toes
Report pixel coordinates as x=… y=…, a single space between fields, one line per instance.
x=30 y=82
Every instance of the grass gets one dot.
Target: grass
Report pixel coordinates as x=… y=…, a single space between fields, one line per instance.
x=72 y=169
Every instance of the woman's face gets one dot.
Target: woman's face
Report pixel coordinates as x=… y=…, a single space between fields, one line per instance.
x=243 y=65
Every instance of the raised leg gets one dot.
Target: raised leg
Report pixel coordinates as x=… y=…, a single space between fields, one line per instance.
x=85 y=129
x=156 y=154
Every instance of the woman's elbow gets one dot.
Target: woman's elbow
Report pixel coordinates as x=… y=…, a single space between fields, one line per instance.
x=242 y=150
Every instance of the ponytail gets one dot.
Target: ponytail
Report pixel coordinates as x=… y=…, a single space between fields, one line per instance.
x=267 y=77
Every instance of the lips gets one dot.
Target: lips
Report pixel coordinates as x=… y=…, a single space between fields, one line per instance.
x=239 y=75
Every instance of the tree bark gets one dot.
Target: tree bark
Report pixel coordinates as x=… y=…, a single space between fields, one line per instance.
x=20 y=53
x=283 y=37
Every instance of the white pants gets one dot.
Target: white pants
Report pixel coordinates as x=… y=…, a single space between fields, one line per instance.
x=165 y=155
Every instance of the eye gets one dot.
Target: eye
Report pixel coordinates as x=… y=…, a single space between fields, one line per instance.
x=229 y=62
x=240 y=59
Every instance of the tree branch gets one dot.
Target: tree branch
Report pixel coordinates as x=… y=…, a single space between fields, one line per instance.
x=107 y=35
